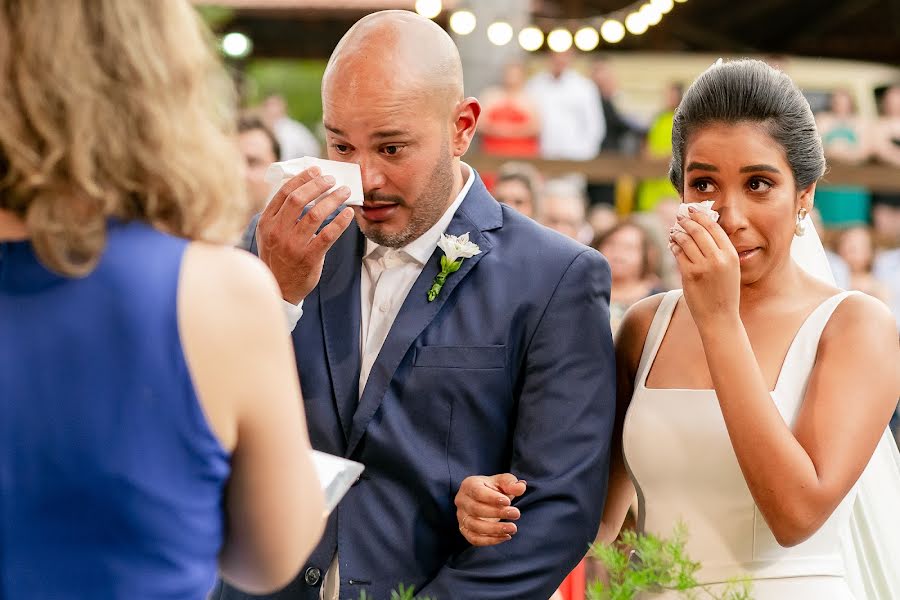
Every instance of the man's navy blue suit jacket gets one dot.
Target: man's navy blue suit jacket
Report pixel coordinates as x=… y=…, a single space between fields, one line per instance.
x=511 y=368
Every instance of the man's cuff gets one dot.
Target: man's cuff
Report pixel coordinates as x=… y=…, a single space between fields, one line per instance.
x=292 y=313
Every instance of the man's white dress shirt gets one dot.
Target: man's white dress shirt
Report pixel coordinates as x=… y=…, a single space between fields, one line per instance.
x=572 y=123
x=386 y=277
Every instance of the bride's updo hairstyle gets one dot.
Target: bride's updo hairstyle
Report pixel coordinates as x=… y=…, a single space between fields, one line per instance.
x=750 y=91
x=113 y=109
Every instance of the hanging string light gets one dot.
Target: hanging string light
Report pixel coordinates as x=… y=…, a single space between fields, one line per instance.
x=634 y=19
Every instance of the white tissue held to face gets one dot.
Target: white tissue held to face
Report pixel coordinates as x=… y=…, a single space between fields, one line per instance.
x=344 y=173
x=704 y=207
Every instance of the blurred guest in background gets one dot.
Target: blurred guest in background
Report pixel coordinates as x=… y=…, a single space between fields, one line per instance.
x=886 y=269
x=621 y=135
x=856 y=247
x=509 y=123
x=293 y=136
x=659 y=146
x=260 y=149
x=633 y=261
x=152 y=424
x=886 y=144
x=572 y=124
x=564 y=209
x=845 y=136
x=846 y=139
x=602 y=218
x=518 y=185
x=887 y=132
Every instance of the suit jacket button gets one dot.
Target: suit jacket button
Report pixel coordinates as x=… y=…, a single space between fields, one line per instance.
x=312 y=576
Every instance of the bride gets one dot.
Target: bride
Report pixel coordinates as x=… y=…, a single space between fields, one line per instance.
x=754 y=402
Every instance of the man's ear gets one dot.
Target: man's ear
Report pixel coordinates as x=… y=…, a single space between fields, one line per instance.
x=465 y=119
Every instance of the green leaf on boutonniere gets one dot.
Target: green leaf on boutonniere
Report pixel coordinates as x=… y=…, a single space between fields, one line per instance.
x=456 y=249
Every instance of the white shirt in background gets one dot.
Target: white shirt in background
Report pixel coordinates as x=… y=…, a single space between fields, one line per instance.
x=572 y=122
x=295 y=139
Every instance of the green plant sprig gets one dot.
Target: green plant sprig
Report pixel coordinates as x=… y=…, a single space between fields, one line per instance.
x=645 y=563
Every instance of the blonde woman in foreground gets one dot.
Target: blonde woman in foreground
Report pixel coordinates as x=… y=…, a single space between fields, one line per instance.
x=151 y=425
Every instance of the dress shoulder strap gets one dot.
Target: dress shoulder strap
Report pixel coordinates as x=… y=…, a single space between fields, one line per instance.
x=801 y=355
x=656 y=333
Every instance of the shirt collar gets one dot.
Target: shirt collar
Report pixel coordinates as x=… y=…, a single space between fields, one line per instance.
x=421 y=248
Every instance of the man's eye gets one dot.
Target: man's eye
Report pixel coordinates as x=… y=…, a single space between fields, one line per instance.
x=341 y=148
x=392 y=150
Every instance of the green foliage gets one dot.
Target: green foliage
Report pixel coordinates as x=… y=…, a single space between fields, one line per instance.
x=401 y=593
x=644 y=563
x=299 y=81
x=214 y=16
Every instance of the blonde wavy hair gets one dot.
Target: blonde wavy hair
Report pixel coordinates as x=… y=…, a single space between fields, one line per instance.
x=114 y=109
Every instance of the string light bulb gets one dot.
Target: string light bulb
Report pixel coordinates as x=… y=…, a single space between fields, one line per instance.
x=612 y=31
x=531 y=39
x=586 y=39
x=429 y=8
x=559 y=40
x=500 y=33
x=462 y=22
x=236 y=45
x=635 y=23
x=663 y=6
x=651 y=14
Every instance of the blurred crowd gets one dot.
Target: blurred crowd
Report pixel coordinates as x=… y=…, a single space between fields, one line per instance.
x=561 y=113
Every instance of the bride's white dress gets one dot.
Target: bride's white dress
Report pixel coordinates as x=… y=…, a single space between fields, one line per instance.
x=684 y=469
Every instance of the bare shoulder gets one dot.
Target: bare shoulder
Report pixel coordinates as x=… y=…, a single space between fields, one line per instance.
x=226 y=278
x=634 y=328
x=860 y=318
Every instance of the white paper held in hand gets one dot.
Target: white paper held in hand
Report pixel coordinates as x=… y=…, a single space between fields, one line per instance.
x=336 y=475
x=344 y=173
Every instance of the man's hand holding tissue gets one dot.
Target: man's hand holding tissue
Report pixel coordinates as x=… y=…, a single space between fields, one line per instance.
x=290 y=242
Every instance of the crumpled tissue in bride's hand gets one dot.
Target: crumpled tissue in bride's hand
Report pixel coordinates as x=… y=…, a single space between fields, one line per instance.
x=705 y=207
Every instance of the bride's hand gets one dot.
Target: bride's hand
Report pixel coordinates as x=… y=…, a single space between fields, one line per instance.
x=710 y=268
x=482 y=502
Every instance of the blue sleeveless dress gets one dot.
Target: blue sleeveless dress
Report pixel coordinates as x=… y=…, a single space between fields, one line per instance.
x=111 y=481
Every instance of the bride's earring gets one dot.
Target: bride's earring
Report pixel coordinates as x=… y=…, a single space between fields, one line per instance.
x=800 y=227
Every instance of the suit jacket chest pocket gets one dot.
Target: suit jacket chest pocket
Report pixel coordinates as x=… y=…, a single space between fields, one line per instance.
x=461 y=357
x=473 y=380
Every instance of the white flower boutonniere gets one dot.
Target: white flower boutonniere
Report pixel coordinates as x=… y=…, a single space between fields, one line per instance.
x=456 y=250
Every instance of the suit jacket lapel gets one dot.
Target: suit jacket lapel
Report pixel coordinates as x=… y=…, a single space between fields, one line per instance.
x=479 y=212
x=339 y=302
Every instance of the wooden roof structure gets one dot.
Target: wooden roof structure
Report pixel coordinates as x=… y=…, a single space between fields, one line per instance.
x=856 y=29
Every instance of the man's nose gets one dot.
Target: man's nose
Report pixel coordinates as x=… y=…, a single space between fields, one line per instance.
x=372 y=177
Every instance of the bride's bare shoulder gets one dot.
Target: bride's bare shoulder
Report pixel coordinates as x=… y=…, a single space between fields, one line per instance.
x=861 y=318
x=634 y=328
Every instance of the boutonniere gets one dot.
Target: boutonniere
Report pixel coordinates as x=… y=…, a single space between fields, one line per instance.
x=456 y=250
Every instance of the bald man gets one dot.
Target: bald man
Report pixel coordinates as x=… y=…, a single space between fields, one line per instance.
x=508 y=366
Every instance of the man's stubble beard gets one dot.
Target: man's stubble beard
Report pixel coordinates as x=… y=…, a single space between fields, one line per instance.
x=428 y=209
